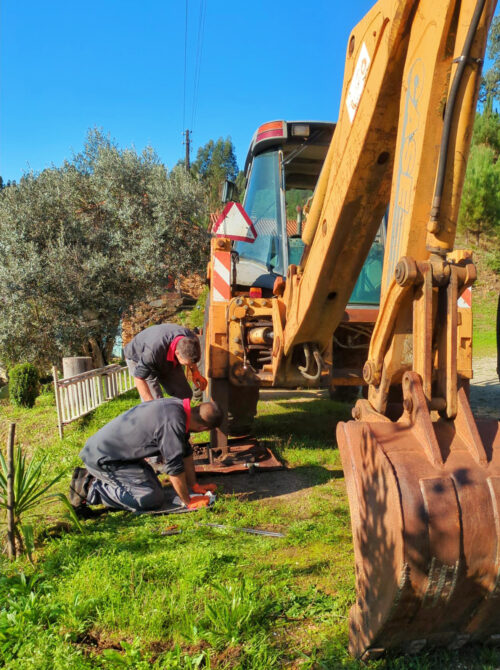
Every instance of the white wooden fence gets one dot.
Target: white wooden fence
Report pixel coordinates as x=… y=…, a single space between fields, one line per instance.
x=79 y=395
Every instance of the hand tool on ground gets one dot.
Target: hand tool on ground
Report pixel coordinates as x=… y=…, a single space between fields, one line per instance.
x=204 y=488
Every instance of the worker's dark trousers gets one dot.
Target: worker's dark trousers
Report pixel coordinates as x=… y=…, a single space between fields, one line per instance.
x=131 y=486
x=176 y=385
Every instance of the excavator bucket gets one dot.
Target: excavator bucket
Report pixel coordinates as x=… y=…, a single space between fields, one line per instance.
x=424 y=493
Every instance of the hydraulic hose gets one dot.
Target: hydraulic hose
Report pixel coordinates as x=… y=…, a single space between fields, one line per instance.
x=450 y=109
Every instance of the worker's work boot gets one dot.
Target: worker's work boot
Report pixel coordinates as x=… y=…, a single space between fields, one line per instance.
x=79 y=487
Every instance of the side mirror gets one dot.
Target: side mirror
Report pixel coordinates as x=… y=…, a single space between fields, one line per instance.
x=228 y=191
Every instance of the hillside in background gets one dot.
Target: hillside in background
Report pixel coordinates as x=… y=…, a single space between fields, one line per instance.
x=485 y=295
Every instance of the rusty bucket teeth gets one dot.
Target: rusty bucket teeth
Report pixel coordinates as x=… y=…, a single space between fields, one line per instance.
x=425 y=504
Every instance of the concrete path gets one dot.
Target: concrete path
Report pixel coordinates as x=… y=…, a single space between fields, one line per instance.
x=485 y=388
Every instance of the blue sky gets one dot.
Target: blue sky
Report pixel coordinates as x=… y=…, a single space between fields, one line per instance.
x=67 y=66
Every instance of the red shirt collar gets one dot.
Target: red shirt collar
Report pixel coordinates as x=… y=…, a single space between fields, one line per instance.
x=171 y=350
x=186 y=403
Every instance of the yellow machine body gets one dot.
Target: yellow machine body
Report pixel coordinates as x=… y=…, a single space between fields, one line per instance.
x=423 y=476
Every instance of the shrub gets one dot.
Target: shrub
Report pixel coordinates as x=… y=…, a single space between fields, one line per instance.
x=24 y=385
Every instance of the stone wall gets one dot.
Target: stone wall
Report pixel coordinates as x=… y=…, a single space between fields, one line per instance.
x=164 y=308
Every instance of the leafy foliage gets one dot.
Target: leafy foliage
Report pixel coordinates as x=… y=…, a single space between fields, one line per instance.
x=24 y=385
x=215 y=162
x=487 y=130
x=479 y=216
x=480 y=210
x=296 y=198
x=81 y=243
x=490 y=87
x=25 y=610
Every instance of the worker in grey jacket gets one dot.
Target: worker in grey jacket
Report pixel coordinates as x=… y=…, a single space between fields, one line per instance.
x=155 y=358
x=117 y=474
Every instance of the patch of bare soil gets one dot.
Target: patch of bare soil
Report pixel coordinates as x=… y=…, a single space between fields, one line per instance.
x=228 y=658
x=93 y=641
x=277 y=486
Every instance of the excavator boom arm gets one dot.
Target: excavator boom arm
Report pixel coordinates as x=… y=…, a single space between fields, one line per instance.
x=401 y=96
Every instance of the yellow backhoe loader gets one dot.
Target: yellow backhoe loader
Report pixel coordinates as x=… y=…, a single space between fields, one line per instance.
x=290 y=299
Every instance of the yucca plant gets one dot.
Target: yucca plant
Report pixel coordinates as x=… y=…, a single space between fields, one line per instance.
x=30 y=491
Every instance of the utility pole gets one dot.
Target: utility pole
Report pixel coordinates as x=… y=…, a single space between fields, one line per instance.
x=188 y=165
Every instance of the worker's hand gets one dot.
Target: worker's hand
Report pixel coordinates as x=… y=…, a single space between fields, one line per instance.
x=205 y=488
x=198 y=502
x=198 y=380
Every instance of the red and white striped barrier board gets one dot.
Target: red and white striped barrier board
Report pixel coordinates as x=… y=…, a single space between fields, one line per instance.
x=221 y=276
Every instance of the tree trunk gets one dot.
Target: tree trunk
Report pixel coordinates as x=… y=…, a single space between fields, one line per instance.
x=11 y=524
x=108 y=351
x=96 y=353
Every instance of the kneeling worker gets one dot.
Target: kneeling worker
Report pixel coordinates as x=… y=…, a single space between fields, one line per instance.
x=117 y=474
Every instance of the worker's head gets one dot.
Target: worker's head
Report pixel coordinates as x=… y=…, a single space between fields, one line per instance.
x=205 y=416
x=188 y=350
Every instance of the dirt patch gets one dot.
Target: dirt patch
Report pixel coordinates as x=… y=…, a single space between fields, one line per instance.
x=94 y=642
x=290 y=485
x=228 y=658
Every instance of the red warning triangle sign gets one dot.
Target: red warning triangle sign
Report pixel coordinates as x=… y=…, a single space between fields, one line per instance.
x=235 y=224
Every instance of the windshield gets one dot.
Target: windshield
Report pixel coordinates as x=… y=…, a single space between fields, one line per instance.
x=367 y=289
x=262 y=204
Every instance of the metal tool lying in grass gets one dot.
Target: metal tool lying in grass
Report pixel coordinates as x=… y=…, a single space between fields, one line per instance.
x=252 y=531
x=174 y=530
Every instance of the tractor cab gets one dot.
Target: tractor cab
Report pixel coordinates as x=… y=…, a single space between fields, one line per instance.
x=282 y=168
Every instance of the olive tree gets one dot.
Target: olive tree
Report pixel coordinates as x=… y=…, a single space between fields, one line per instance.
x=80 y=243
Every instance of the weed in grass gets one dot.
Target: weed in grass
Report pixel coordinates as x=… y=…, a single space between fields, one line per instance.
x=232 y=612
x=177 y=659
x=27 y=608
x=311 y=604
x=130 y=657
x=258 y=653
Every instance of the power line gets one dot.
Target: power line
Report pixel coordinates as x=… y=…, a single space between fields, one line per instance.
x=185 y=67
x=197 y=71
x=199 y=51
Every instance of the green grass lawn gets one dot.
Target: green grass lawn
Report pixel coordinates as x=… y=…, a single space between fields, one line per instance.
x=122 y=595
x=484 y=313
